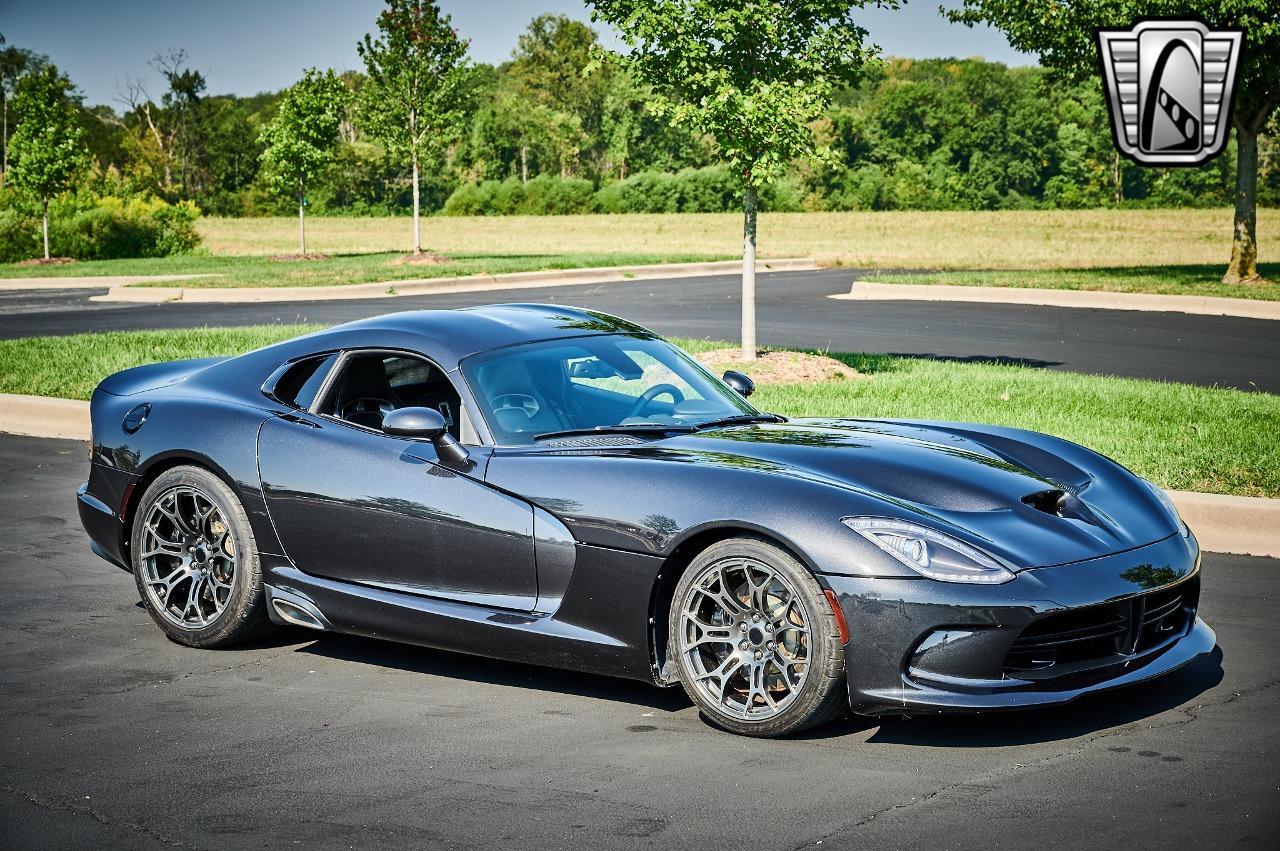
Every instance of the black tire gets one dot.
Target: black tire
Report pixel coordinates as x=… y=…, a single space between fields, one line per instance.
x=244 y=615
x=821 y=694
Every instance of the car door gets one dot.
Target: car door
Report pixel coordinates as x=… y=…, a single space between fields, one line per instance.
x=351 y=503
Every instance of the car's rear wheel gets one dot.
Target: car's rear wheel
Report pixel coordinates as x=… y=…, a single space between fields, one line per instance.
x=755 y=641
x=195 y=560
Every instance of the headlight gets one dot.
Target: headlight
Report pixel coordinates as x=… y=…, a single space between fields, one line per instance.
x=930 y=553
x=1167 y=502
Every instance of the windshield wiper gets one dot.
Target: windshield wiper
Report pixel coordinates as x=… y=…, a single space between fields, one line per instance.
x=741 y=419
x=643 y=428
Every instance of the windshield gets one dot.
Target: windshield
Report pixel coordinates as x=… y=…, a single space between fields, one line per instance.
x=594 y=382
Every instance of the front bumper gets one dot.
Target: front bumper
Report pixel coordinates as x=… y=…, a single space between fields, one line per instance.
x=1047 y=637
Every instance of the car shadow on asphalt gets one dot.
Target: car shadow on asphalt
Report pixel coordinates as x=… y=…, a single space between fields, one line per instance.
x=1085 y=716
x=460 y=666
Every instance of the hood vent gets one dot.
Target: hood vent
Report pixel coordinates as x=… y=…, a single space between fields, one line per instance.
x=1053 y=502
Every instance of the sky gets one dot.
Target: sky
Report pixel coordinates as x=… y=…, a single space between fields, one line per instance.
x=247 y=46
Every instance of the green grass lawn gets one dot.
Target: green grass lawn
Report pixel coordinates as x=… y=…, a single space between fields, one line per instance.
x=1181 y=436
x=262 y=271
x=1197 y=280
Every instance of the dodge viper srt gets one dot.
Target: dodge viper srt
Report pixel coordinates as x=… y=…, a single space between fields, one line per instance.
x=557 y=486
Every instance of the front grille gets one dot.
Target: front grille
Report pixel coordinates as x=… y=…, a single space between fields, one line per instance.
x=1096 y=636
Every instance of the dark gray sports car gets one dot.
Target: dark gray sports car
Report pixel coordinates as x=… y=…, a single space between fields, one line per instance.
x=559 y=486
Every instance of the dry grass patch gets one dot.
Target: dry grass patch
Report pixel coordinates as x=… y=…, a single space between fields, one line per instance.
x=1007 y=239
x=780 y=367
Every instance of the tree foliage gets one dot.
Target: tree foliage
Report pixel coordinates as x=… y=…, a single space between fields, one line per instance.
x=301 y=140
x=910 y=134
x=1061 y=33
x=48 y=146
x=752 y=75
x=415 y=99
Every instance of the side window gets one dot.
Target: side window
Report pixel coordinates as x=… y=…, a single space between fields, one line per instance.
x=372 y=385
x=301 y=382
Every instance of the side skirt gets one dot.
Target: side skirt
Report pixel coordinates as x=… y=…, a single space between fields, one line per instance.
x=601 y=627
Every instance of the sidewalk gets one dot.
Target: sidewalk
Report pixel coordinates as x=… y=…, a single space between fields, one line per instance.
x=89 y=282
x=472 y=283
x=1204 y=305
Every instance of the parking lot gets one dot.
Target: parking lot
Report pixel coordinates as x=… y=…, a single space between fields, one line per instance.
x=115 y=737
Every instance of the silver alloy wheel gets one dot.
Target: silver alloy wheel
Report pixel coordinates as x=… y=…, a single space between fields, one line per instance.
x=188 y=558
x=744 y=636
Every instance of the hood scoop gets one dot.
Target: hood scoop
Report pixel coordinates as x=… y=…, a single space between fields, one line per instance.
x=1050 y=502
x=1065 y=504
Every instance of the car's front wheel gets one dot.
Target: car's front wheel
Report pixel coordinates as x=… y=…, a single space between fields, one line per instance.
x=756 y=643
x=195 y=560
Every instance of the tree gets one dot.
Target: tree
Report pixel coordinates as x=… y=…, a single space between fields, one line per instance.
x=546 y=69
x=753 y=75
x=1062 y=33
x=415 y=99
x=14 y=63
x=48 y=145
x=301 y=140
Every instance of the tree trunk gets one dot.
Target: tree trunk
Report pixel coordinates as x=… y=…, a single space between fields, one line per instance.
x=1117 y=177
x=44 y=222
x=302 y=223
x=417 y=226
x=749 y=274
x=4 y=165
x=1244 y=245
x=524 y=163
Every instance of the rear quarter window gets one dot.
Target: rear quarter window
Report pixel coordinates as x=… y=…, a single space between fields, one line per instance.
x=301 y=382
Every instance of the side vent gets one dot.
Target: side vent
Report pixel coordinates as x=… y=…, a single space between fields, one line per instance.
x=290 y=608
x=296 y=614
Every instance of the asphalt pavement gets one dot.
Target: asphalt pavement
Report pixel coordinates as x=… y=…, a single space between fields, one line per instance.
x=793 y=310
x=115 y=737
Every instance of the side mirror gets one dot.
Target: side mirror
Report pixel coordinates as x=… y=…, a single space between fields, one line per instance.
x=426 y=424
x=740 y=383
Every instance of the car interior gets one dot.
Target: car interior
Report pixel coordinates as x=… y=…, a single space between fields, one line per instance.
x=562 y=387
x=372 y=385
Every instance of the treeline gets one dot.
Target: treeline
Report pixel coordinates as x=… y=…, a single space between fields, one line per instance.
x=544 y=138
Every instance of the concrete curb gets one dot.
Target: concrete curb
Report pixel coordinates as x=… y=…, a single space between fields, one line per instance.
x=1232 y=524
x=1205 y=305
x=44 y=416
x=90 y=282
x=421 y=286
x=1224 y=524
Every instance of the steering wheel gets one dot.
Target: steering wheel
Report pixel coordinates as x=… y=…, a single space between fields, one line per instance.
x=516 y=402
x=367 y=405
x=647 y=397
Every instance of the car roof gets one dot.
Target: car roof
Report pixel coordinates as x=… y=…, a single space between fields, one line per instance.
x=449 y=336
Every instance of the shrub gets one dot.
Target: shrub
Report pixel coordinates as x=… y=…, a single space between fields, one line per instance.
x=546 y=195
x=19 y=236
x=116 y=228
x=713 y=189
x=105 y=228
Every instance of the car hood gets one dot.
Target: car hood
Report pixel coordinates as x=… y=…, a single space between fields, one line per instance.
x=1031 y=499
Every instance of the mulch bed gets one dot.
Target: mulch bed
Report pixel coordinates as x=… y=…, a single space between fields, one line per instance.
x=780 y=367
x=40 y=261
